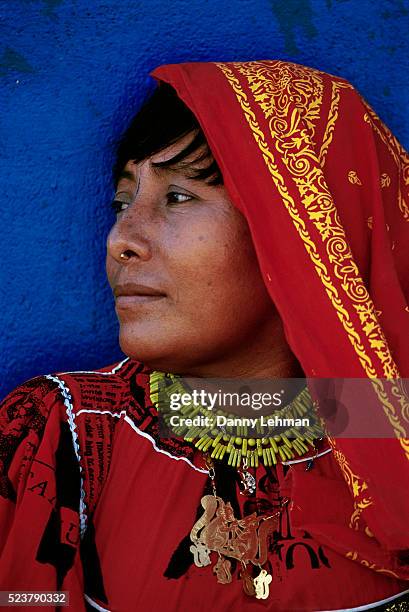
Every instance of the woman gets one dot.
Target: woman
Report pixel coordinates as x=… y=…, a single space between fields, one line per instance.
x=262 y=214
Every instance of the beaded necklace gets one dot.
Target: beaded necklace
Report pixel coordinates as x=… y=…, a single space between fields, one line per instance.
x=232 y=441
x=218 y=530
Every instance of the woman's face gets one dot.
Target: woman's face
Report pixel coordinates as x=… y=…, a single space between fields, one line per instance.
x=201 y=300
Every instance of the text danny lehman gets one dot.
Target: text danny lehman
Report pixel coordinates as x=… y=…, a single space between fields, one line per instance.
x=223 y=421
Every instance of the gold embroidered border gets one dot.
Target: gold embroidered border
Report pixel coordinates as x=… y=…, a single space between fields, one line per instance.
x=332 y=118
x=358 y=487
x=354 y=556
x=310 y=246
x=400 y=156
x=362 y=500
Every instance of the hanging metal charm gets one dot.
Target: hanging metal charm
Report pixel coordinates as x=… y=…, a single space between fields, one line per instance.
x=247 y=480
x=261 y=584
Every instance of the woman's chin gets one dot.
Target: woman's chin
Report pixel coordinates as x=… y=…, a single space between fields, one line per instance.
x=148 y=349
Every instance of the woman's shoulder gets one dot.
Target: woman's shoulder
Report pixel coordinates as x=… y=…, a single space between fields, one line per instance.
x=70 y=393
x=81 y=408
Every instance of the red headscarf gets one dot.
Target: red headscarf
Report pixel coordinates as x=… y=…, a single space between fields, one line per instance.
x=324 y=186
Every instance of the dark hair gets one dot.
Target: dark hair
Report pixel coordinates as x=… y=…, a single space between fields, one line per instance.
x=162 y=120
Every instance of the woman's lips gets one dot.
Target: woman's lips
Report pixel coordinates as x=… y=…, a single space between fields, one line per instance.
x=129 y=301
x=130 y=294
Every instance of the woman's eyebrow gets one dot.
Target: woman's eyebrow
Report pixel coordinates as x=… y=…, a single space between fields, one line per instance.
x=129 y=176
x=163 y=169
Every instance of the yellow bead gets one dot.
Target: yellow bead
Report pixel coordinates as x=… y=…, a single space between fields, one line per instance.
x=300 y=445
x=215 y=451
x=207 y=445
x=282 y=454
x=229 y=462
x=286 y=440
x=265 y=460
x=217 y=439
x=288 y=452
x=238 y=458
x=299 y=410
x=219 y=451
x=252 y=442
x=201 y=442
x=273 y=445
x=298 y=450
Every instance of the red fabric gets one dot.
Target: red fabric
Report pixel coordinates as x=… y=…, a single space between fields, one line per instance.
x=323 y=185
x=141 y=497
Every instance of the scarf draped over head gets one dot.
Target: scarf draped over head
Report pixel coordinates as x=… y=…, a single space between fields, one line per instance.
x=324 y=186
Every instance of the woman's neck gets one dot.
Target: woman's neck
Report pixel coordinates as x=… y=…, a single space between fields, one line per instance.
x=265 y=354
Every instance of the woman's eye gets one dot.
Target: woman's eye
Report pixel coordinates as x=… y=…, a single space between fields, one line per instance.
x=174 y=197
x=117 y=206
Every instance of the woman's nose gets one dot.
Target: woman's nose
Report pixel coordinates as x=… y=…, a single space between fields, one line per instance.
x=127 y=240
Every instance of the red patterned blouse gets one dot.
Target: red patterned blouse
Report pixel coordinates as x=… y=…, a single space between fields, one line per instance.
x=94 y=502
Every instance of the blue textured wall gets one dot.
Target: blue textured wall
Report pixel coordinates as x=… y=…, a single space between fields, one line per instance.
x=73 y=74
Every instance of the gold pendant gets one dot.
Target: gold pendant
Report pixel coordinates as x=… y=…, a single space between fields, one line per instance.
x=247 y=580
x=219 y=530
x=261 y=584
x=200 y=554
x=222 y=570
x=243 y=539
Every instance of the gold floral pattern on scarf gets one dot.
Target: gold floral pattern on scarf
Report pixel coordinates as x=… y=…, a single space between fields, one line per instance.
x=292 y=139
x=358 y=487
x=385 y=180
x=354 y=556
x=353 y=178
x=400 y=156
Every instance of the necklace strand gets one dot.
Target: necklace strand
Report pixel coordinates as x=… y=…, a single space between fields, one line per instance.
x=233 y=442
